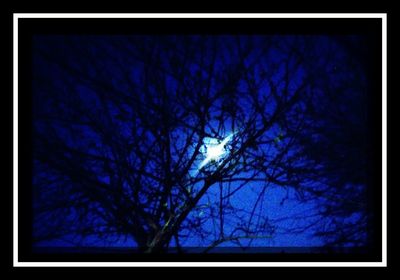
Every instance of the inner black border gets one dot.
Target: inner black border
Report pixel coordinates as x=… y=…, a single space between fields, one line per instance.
x=321 y=26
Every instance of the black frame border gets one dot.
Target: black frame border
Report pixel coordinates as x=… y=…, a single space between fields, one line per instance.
x=327 y=26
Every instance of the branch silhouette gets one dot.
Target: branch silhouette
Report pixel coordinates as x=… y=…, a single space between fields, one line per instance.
x=120 y=127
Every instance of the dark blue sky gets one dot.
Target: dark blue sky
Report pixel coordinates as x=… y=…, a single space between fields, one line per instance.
x=96 y=97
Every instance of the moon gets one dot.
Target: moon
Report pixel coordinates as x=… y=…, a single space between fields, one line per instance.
x=214 y=150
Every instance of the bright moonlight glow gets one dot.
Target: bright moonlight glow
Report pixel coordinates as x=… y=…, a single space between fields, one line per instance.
x=214 y=150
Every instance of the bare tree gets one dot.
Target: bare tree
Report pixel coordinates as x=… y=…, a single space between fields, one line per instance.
x=156 y=137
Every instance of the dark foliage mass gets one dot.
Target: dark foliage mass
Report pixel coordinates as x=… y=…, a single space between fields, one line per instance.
x=122 y=125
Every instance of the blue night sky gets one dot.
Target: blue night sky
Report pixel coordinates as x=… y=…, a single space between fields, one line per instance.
x=124 y=130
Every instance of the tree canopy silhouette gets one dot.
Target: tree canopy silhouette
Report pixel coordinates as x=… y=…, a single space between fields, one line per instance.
x=127 y=128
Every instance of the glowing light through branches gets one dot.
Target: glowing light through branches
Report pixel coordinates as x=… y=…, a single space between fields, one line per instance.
x=213 y=150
